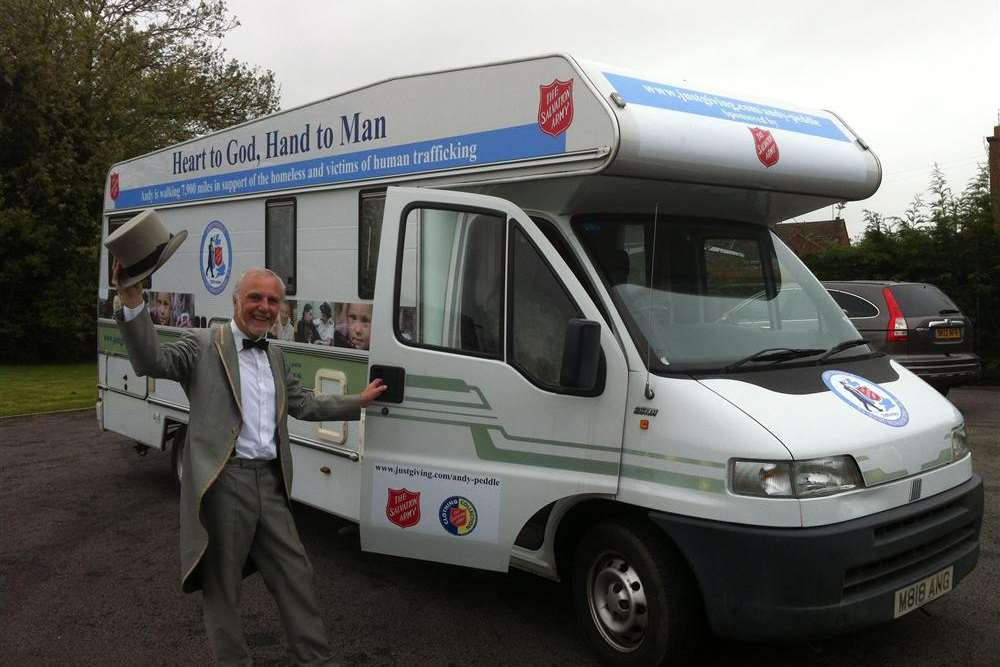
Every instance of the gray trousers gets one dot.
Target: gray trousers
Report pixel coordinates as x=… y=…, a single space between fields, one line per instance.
x=246 y=514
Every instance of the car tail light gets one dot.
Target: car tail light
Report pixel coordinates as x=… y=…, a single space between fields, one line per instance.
x=897 y=323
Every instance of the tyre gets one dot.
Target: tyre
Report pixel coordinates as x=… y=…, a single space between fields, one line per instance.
x=177 y=454
x=635 y=596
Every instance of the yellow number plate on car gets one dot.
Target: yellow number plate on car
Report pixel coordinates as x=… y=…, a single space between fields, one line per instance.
x=922 y=592
x=948 y=333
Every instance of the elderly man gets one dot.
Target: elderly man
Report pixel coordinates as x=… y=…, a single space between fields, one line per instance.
x=237 y=467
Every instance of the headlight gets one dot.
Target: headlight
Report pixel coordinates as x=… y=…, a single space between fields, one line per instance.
x=959 y=443
x=796 y=479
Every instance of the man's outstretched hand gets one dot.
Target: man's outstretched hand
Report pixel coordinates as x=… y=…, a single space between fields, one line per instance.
x=130 y=296
x=372 y=392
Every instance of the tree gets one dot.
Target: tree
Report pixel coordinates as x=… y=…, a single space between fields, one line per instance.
x=85 y=84
x=949 y=241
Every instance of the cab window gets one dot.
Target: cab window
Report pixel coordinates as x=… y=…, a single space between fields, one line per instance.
x=539 y=311
x=450 y=281
x=559 y=243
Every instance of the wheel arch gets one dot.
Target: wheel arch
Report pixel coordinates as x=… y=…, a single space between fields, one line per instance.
x=170 y=427
x=574 y=522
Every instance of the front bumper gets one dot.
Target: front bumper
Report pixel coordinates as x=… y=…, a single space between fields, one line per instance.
x=943 y=370
x=778 y=583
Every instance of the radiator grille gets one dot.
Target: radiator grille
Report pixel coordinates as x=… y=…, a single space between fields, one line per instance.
x=948 y=532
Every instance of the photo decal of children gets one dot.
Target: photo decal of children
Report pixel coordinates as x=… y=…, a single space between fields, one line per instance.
x=331 y=323
x=169 y=309
x=284 y=327
x=358 y=317
x=172 y=309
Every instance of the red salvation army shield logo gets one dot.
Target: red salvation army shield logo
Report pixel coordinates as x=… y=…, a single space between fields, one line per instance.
x=402 y=507
x=767 y=147
x=114 y=185
x=555 y=107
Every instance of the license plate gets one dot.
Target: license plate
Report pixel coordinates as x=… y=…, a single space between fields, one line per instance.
x=922 y=592
x=948 y=333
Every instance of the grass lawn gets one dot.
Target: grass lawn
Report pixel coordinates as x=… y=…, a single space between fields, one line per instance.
x=47 y=387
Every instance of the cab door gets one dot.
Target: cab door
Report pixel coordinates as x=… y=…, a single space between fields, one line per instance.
x=479 y=430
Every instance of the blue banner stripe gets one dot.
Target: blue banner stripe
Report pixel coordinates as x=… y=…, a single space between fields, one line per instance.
x=685 y=100
x=490 y=147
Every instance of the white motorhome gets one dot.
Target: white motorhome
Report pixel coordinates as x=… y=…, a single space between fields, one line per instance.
x=605 y=367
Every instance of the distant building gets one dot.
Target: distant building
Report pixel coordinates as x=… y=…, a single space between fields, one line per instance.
x=805 y=238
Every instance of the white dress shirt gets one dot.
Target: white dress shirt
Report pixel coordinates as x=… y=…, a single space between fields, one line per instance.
x=257 y=439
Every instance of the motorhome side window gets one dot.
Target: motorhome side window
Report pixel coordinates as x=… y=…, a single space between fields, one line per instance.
x=279 y=240
x=539 y=311
x=451 y=277
x=370 y=211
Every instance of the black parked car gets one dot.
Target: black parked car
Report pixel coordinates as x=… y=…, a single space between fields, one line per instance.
x=916 y=323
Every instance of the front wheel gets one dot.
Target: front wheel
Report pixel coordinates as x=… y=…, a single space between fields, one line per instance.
x=635 y=596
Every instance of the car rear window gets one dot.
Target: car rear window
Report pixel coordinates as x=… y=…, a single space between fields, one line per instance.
x=919 y=299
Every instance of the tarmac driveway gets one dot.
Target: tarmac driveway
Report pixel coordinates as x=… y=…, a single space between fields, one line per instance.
x=89 y=575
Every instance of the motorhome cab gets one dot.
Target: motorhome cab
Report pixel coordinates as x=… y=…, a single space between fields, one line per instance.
x=605 y=367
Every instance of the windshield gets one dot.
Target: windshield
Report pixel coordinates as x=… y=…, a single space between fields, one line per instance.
x=721 y=291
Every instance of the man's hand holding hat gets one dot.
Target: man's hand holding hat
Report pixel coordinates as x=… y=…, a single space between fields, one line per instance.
x=131 y=296
x=140 y=246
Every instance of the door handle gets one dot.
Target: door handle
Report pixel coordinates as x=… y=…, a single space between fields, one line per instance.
x=394 y=377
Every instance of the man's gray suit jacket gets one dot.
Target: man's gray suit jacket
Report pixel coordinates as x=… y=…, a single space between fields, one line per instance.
x=205 y=363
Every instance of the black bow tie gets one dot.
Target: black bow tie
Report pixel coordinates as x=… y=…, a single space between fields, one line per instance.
x=260 y=344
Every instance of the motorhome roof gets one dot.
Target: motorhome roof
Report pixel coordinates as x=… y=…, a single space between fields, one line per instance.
x=544 y=117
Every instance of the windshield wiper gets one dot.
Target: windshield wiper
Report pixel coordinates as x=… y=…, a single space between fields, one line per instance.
x=774 y=354
x=948 y=311
x=840 y=347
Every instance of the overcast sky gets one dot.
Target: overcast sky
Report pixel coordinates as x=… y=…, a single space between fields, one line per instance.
x=917 y=79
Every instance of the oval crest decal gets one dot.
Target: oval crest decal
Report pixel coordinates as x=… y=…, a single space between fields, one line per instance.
x=215 y=257
x=868 y=398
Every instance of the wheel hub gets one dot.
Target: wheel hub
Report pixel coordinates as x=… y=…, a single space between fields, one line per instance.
x=617 y=599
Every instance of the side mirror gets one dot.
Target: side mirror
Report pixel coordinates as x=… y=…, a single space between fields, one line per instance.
x=581 y=354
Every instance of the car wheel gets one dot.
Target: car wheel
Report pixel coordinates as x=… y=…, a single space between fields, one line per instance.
x=635 y=596
x=177 y=454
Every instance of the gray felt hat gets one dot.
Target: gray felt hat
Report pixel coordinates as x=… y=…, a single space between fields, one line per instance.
x=142 y=245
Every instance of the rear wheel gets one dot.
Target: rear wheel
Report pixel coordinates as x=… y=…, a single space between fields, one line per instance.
x=177 y=454
x=635 y=596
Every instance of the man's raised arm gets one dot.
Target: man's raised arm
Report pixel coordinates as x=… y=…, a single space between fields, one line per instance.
x=172 y=361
